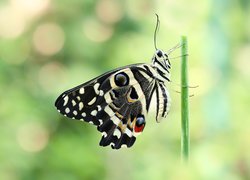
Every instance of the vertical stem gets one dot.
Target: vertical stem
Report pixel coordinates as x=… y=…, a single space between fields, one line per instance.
x=184 y=101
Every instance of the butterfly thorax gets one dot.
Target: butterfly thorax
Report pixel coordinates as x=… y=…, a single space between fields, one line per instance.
x=162 y=66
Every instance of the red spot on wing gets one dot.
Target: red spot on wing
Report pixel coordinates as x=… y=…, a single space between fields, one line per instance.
x=139 y=128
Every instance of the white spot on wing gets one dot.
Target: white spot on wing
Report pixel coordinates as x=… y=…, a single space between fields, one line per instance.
x=93 y=113
x=81 y=91
x=75 y=112
x=107 y=98
x=73 y=102
x=117 y=133
x=104 y=134
x=67 y=110
x=99 y=108
x=83 y=114
x=101 y=93
x=78 y=97
x=92 y=101
x=80 y=106
x=124 y=145
x=101 y=121
x=91 y=122
x=96 y=86
x=66 y=98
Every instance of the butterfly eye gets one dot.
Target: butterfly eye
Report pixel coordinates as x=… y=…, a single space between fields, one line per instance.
x=140 y=123
x=121 y=79
x=159 y=53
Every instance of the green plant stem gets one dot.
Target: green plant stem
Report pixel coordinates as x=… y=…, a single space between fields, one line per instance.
x=184 y=100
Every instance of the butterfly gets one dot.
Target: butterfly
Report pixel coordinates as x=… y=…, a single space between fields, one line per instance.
x=118 y=101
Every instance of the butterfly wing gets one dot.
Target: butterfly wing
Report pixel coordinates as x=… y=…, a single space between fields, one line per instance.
x=116 y=102
x=77 y=103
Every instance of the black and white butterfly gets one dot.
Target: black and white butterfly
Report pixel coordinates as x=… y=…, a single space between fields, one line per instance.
x=118 y=101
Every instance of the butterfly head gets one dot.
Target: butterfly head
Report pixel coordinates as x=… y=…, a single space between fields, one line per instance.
x=161 y=63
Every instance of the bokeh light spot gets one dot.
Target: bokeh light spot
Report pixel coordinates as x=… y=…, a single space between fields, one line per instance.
x=109 y=11
x=16 y=15
x=51 y=75
x=31 y=7
x=243 y=62
x=48 y=39
x=12 y=23
x=96 y=31
x=32 y=137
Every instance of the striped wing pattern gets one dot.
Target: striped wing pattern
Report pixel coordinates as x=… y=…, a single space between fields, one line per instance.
x=116 y=102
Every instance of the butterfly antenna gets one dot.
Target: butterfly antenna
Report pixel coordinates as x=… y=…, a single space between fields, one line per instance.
x=156 y=29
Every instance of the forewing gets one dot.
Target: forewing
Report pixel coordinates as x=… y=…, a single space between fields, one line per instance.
x=82 y=101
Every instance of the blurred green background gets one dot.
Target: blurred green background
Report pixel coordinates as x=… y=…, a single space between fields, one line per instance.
x=48 y=46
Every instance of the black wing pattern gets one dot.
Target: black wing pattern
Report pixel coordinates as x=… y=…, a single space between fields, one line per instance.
x=116 y=102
